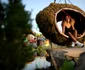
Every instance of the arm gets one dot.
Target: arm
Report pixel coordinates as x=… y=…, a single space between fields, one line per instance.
x=63 y=27
x=73 y=27
x=63 y=30
x=72 y=24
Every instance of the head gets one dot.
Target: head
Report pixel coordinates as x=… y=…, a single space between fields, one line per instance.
x=67 y=18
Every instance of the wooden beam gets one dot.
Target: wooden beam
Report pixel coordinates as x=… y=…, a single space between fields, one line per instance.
x=54 y=63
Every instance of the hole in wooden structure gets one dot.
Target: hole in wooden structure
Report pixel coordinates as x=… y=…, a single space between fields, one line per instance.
x=77 y=15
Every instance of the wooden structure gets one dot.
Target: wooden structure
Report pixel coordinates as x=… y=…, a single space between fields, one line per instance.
x=48 y=18
x=70 y=52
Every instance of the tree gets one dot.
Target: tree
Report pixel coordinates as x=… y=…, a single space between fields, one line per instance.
x=17 y=22
x=1 y=21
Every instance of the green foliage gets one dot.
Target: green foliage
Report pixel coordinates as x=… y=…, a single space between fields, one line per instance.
x=17 y=21
x=1 y=12
x=11 y=56
x=40 y=50
x=68 y=65
x=14 y=56
x=1 y=20
x=28 y=52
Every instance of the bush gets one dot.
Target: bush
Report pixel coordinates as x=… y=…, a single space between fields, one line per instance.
x=28 y=52
x=14 y=56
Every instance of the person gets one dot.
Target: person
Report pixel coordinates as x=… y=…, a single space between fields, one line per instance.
x=69 y=29
x=30 y=40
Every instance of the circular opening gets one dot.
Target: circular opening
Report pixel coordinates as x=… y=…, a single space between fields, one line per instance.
x=75 y=14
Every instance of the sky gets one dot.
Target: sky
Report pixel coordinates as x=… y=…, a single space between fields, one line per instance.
x=37 y=5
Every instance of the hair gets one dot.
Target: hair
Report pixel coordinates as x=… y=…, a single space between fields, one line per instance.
x=72 y=21
x=64 y=18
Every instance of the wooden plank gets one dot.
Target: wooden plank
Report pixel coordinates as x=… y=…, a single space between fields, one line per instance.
x=73 y=52
x=54 y=63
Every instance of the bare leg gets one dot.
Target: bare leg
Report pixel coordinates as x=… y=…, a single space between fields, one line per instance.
x=75 y=33
x=72 y=36
x=74 y=39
